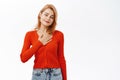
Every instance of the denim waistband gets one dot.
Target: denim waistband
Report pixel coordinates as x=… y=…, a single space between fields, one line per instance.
x=47 y=74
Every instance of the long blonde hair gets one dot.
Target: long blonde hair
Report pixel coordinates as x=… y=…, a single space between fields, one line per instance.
x=51 y=28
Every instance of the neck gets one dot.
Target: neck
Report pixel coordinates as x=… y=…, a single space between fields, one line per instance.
x=42 y=28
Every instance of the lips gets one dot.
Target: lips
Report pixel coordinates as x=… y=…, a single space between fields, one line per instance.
x=47 y=21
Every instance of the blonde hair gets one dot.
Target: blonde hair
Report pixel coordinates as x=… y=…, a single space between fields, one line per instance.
x=51 y=28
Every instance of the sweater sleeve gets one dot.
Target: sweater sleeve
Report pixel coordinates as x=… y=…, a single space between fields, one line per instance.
x=61 y=56
x=28 y=50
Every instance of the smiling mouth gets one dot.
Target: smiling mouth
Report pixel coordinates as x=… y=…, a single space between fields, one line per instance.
x=47 y=21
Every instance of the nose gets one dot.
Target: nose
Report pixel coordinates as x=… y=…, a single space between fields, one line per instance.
x=48 y=17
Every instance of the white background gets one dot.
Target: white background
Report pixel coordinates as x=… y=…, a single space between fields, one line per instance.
x=92 y=37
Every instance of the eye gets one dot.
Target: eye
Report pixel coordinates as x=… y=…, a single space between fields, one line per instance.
x=52 y=17
x=46 y=14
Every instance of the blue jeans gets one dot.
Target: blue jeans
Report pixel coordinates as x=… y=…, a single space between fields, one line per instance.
x=47 y=74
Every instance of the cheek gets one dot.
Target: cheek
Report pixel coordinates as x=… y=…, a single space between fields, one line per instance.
x=51 y=20
x=42 y=16
x=41 y=19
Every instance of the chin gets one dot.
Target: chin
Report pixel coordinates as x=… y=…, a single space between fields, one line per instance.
x=47 y=25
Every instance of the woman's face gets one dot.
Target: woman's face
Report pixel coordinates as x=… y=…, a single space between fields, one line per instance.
x=47 y=17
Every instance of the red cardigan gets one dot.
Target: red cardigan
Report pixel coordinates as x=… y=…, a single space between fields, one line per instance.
x=50 y=55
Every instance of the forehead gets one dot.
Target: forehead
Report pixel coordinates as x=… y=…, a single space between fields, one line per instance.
x=48 y=11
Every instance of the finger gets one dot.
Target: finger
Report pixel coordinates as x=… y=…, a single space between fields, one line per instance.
x=49 y=40
x=45 y=31
x=50 y=37
x=41 y=36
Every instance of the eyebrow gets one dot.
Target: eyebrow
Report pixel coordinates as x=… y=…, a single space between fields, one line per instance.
x=48 y=13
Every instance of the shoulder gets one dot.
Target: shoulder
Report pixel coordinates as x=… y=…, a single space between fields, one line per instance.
x=60 y=33
x=30 y=33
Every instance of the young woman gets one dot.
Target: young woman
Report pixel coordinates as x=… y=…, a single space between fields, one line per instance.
x=47 y=45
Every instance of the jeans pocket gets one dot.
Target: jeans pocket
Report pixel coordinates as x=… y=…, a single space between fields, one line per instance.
x=37 y=72
x=57 y=75
x=57 y=72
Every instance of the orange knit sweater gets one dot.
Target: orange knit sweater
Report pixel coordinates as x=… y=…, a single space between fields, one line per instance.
x=50 y=55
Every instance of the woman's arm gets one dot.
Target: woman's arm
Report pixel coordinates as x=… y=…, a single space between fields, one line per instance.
x=61 y=56
x=28 y=50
